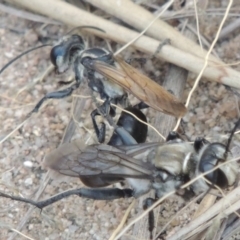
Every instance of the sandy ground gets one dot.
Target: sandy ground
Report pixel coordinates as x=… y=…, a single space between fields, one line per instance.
x=213 y=108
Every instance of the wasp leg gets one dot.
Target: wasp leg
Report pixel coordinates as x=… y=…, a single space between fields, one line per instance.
x=65 y=92
x=100 y=131
x=141 y=105
x=104 y=109
x=148 y=202
x=56 y=95
x=97 y=194
x=125 y=136
x=123 y=101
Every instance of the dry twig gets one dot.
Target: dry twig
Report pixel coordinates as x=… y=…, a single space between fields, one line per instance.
x=73 y=16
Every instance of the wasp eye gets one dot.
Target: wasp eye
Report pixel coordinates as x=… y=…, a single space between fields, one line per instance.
x=56 y=52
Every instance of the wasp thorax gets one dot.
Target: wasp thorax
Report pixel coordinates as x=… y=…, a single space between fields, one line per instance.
x=174 y=158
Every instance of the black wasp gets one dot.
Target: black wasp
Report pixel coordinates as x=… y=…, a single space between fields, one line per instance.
x=109 y=76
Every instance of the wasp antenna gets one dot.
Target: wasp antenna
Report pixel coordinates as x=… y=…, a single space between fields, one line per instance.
x=231 y=136
x=81 y=27
x=20 y=55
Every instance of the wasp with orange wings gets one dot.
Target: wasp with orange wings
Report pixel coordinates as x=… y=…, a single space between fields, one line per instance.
x=109 y=76
x=113 y=74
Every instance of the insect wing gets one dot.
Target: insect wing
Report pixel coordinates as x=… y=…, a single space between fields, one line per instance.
x=155 y=95
x=76 y=159
x=140 y=148
x=140 y=86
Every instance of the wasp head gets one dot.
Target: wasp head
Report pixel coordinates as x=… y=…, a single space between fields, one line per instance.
x=63 y=54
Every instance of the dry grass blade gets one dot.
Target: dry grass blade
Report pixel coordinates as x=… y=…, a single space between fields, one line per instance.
x=124 y=219
x=205 y=204
x=178 y=214
x=139 y=18
x=229 y=28
x=227 y=205
x=145 y=30
x=16 y=231
x=27 y=15
x=175 y=81
x=73 y=16
x=30 y=210
x=221 y=206
x=123 y=110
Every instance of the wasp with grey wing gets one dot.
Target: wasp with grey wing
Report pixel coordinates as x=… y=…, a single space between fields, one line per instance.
x=114 y=164
x=164 y=167
x=117 y=163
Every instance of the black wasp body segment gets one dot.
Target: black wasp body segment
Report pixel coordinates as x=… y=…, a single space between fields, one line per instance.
x=112 y=83
x=164 y=168
x=134 y=127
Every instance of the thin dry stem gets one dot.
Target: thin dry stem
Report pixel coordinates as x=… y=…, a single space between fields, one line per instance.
x=13 y=131
x=36 y=80
x=229 y=28
x=38 y=194
x=144 y=214
x=178 y=213
x=16 y=231
x=197 y=24
x=145 y=30
x=27 y=15
x=124 y=219
x=206 y=58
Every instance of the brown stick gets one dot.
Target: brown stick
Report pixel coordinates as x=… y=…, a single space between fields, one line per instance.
x=138 y=17
x=175 y=81
x=73 y=16
x=225 y=207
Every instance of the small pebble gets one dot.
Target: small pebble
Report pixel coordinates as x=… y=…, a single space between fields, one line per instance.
x=28 y=182
x=28 y=164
